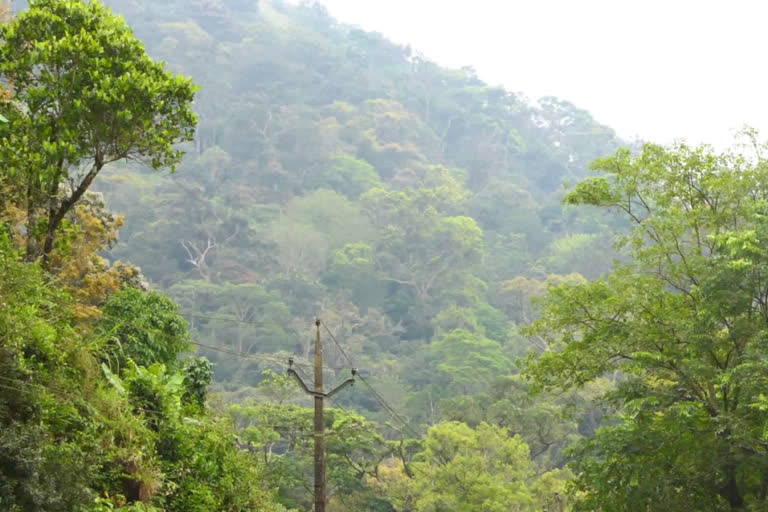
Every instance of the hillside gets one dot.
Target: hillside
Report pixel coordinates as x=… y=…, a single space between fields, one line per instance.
x=523 y=335
x=331 y=174
x=338 y=174
x=416 y=210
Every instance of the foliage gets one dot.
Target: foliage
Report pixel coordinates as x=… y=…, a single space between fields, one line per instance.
x=458 y=183
x=350 y=176
x=143 y=327
x=413 y=208
x=79 y=437
x=469 y=360
x=84 y=94
x=684 y=324
x=281 y=435
x=462 y=469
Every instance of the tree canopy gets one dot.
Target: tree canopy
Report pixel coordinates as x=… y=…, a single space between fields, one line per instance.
x=526 y=337
x=83 y=94
x=683 y=324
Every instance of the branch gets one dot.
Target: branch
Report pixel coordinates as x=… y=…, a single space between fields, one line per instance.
x=197 y=257
x=55 y=216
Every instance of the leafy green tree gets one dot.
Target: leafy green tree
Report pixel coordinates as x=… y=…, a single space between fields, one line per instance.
x=212 y=170
x=683 y=324
x=469 y=359
x=418 y=247
x=38 y=403
x=198 y=374
x=515 y=296
x=580 y=252
x=144 y=327
x=453 y=318
x=463 y=469
x=352 y=268
x=348 y=176
x=481 y=318
x=86 y=94
x=572 y=132
x=547 y=423
x=197 y=465
x=76 y=436
x=314 y=225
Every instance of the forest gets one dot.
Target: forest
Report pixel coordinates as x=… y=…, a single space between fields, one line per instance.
x=541 y=315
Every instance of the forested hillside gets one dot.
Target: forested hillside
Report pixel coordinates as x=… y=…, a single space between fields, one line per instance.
x=415 y=209
x=528 y=336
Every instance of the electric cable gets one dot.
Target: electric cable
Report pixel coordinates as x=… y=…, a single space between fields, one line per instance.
x=375 y=393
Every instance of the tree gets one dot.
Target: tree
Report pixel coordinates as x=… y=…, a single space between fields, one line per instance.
x=144 y=327
x=420 y=251
x=545 y=422
x=418 y=245
x=348 y=176
x=463 y=469
x=683 y=326
x=469 y=359
x=85 y=95
x=75 y=436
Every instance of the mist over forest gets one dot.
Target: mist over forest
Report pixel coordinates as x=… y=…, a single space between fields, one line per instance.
x=538 y=315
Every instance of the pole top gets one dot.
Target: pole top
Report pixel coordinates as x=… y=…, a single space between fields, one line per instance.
x=317 y=322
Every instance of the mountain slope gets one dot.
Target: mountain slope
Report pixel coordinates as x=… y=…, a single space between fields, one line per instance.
x=336 y=173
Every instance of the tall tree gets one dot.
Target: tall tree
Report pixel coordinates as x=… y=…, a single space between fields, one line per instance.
x=84 y=94
x=466 y=469
x=684 y=325
x=419 y=245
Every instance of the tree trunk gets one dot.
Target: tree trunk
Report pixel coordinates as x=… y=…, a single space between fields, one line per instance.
x=56 y=215
x=731 y=491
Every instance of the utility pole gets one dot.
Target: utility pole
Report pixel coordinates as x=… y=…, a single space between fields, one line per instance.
x=319 y=434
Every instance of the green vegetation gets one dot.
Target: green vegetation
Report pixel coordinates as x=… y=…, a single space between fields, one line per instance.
x=97 y=411
x=529 y=338
x=84 y=95
x=682 y=325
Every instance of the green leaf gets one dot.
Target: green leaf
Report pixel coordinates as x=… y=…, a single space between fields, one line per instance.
x=113 y=379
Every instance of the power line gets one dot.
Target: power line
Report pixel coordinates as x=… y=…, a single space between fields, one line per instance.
x=303 y=375
x=11 y=388
x=258 y=357
x=234 y=320
x=375 y=393
x=330 y=398
x=389 y=408
x=250 y=356
x=27 y=327
x=306 y=378
x=263 y=358
x=255 y=357
x=27 y=387
x=337 y=404
x=338 y=345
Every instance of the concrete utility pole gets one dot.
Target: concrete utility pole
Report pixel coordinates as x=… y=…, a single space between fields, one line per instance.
x=319 y=420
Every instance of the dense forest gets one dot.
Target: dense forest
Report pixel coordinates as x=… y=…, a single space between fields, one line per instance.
x=542 y=316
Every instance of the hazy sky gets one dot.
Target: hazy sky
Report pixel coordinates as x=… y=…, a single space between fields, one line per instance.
x=658 y=69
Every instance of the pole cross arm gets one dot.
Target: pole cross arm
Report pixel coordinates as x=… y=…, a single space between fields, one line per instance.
x=348 y=382
x=308 y=391
x=291 y=371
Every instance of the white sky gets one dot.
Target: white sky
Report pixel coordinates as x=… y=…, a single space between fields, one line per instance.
x=657 y=69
